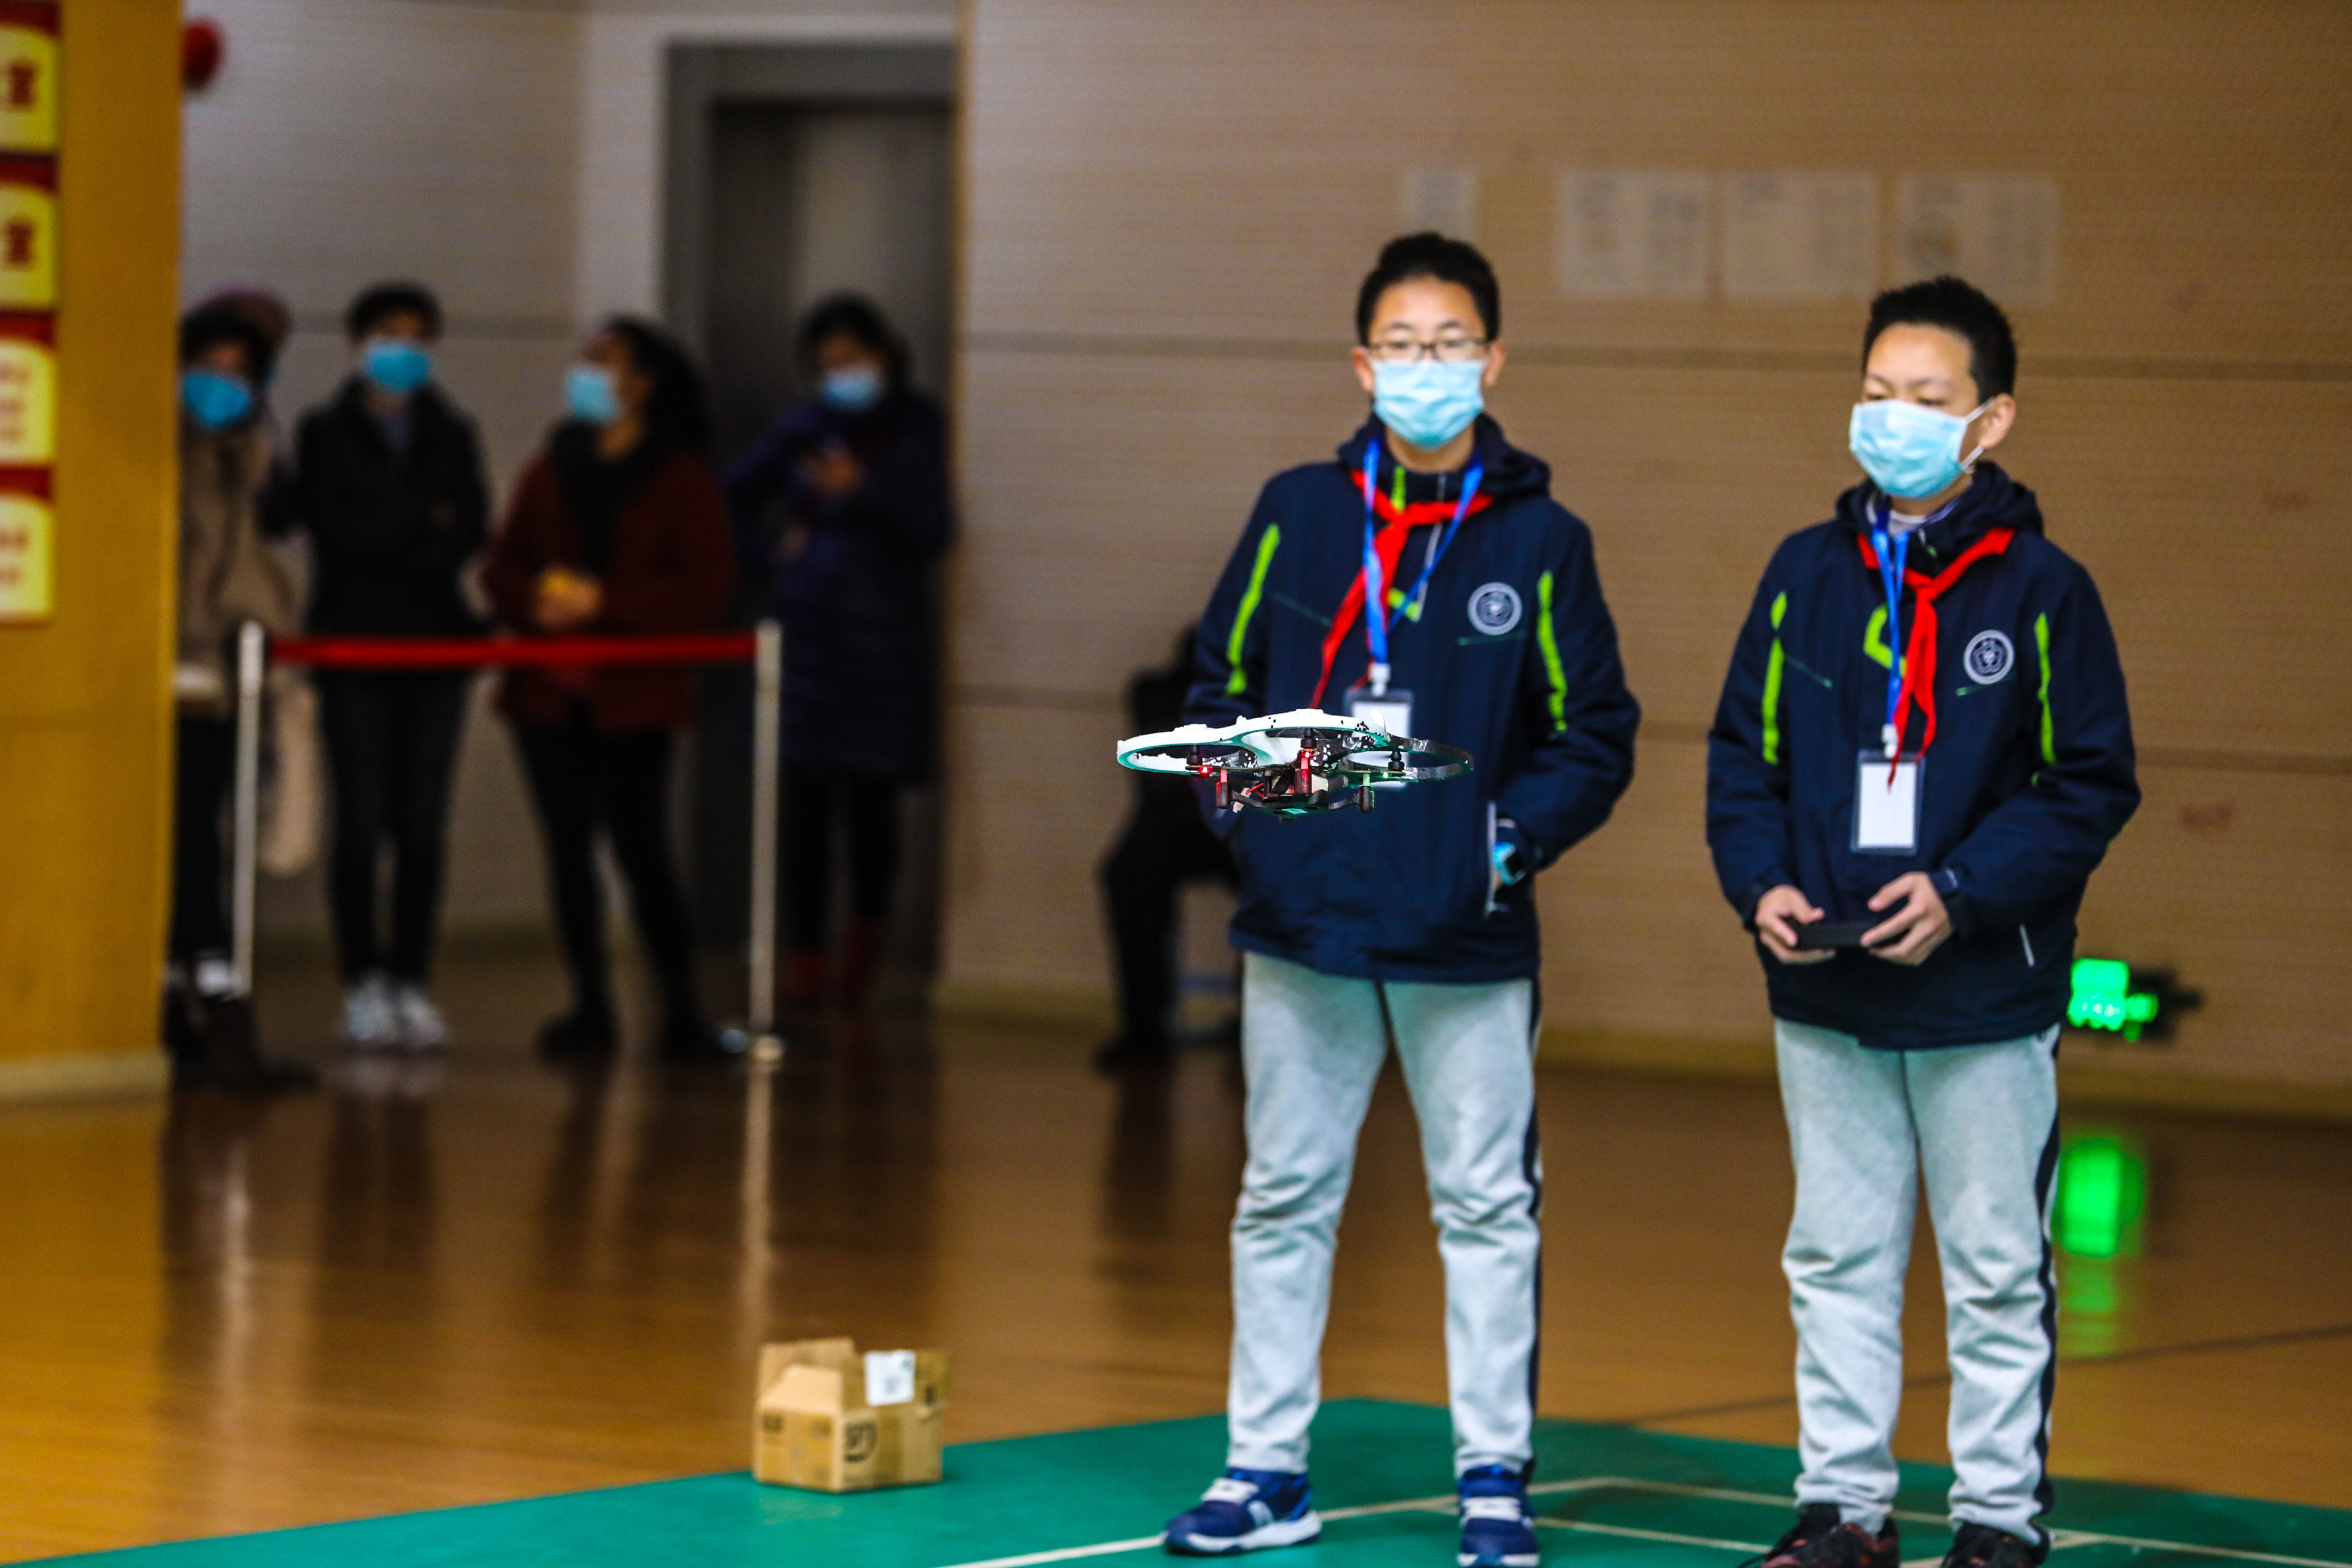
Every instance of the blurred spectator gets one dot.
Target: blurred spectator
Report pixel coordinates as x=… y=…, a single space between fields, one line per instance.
x=228 y=574
x=862 y=472
x=1166 y=843
x=267 y=312
x=389 y=484
x=617 y=527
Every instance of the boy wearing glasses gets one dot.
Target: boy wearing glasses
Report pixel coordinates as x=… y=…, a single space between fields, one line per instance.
x=1426 y=581
x=1923 y=739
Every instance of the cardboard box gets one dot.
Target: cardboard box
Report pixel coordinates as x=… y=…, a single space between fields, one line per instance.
x=832 y=1420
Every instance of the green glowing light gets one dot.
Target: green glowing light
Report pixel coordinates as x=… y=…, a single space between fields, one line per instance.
x=2101 y=997
x=2108 y=995
x=2101 y=1191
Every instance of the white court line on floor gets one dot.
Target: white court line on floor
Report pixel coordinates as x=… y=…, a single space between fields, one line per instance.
x=1591 y=1528
x=2059 y=1538
x=1441 y=1503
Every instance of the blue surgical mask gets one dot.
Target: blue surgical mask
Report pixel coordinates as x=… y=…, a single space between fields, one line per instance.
x=851 y=389
x=1427 y=403
x=216 y=401
x=589 y=394
x=396 y=365
x=1908 y=451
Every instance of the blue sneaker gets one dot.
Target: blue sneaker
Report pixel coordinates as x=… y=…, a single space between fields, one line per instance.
x=1497 y=1531
x=1246 y=1510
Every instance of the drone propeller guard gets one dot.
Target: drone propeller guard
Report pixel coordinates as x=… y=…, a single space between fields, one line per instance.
x=1293 y=763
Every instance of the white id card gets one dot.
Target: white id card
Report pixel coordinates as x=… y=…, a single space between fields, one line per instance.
x=1886 y=805
x=1390 y=711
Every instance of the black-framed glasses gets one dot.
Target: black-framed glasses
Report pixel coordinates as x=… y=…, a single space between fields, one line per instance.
x=1447 y=350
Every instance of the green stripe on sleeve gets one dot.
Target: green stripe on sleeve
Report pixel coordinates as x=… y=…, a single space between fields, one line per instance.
x=1548 y=640
x=1239 y=680
x=2049 y=731
x=1773 y=684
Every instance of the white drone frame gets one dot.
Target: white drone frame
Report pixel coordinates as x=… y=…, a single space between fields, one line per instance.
x=1293 y=763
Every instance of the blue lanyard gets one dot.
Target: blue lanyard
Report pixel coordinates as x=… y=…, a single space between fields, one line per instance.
x=1377 y=619
x=1893 y=550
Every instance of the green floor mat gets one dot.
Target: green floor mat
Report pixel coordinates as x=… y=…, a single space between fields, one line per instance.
x=1641 y=1499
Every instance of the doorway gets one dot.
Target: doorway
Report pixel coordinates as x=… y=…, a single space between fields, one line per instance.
x=807 y=202
x=796 y=171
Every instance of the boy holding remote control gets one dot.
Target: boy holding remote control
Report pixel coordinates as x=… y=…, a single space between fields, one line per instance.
x=1923 y=739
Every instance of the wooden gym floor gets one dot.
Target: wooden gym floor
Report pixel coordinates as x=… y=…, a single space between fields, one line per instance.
x=434 y=1284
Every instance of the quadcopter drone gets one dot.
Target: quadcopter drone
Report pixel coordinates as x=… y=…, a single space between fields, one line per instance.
x=1293 y=763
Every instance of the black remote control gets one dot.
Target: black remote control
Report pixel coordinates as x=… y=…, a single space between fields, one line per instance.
x=1822 y=936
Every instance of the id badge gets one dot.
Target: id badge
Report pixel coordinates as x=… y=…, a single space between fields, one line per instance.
x=1390 y=712
x=1886 y=805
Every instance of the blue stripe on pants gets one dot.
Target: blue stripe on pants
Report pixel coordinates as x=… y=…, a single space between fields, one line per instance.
x=1312 y=1045
x=1980 y=1123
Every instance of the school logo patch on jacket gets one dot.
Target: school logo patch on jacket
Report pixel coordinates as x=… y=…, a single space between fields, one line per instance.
x=1988 y=656
x=1495 y=608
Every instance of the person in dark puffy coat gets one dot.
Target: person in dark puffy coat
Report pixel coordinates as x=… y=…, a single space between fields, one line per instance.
x=861 y=473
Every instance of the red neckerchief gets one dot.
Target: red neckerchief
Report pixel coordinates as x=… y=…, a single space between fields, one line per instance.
x=1389 y=542
x=1919 y=655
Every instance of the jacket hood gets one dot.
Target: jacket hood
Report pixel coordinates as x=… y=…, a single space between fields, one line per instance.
x=1993 y=500
x=1508 y=473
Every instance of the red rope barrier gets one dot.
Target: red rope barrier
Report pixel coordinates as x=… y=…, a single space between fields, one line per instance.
x=469 y=653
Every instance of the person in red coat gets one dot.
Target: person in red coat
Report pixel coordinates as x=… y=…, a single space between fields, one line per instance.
x=616 y=528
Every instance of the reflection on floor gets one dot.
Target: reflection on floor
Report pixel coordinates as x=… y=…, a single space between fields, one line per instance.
x=447 y=1282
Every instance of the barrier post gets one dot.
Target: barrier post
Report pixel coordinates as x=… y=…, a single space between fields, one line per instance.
x=245 y=808
x=767 y=738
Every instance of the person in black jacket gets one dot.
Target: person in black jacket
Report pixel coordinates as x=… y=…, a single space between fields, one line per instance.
x=1164 y=844
x=1923 y=738
x=389 y=484
x=861 y=469
x=1426 y=581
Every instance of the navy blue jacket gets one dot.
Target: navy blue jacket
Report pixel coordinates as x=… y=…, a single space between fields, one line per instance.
x=2029 y=779
x=857 y=596
x=1530 y=686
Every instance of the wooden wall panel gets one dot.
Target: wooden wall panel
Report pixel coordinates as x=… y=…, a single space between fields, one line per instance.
x=1025 y=916
x=1170 y=205
x=1220 y=169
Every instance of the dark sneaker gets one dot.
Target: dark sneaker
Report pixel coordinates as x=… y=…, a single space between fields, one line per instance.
x=1246 y=1510
x=1978 y=1545
x=1821 y=1540
x=183 y=1029
x=228 y=1054
x=1497 y=1531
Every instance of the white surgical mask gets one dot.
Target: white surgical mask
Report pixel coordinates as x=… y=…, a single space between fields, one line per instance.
x=1428 y=403
x=1908 y=451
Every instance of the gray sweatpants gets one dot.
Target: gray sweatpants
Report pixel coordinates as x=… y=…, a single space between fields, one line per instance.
x=1312 y=1045
x=1981 y=1123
